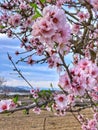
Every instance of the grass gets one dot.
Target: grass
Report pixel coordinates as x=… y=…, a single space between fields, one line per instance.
x=44 y=121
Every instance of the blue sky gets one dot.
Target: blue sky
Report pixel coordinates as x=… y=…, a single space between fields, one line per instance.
x=38 y=75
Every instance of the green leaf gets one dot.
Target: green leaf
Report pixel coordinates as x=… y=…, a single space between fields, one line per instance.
x=37 y=14
x=45 y=93
x=1 y=27
x=43 y=1
x=33 y=5
x=36 y=10
x=96 y=104
x=15 y=99
x=43 y=107
x=26 y=111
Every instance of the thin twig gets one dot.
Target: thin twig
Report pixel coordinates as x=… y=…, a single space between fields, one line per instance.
x=16 y=69
x=66 y=67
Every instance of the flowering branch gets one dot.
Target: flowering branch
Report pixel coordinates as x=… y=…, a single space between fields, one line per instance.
x=51 y=30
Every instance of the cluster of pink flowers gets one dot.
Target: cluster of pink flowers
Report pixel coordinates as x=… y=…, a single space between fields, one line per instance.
x=23 y=6
x=43 y=29
x=34 y=93
x=76 y=28
x=83 y=16
x=37 y=110
x=7 y=105
x=54 y=61
x=4 y=17
x=91 y=124
x=27 y=24
x=15 y=20
x=84 y=77
x=62 y=103
x=94 y=4
x=52 y=28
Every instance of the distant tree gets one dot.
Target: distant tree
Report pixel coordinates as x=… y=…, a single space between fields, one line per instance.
x=2 y=81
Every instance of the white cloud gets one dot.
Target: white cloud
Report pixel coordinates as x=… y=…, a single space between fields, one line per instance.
x=30 y=75
x=39 y=84
x=10 y=48
x=3 y=36
x=38 y=67
x=32 y=69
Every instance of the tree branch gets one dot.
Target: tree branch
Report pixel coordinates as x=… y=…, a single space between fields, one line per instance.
x=10 y=58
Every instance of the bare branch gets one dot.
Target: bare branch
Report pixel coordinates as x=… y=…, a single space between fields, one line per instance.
x=16 y=69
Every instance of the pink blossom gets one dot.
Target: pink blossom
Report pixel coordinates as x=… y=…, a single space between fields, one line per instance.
x=23 y=6
x=96 y=116
x=13 y=105
x=54 y=61
x=52 y=27
x=63 y=49
x=47 y=30
x=36 y=29
x=78 y=86
x=94 y=4
x=48 y=108
x=9 y=33
x=94 y=93
x=84 y=77
x=92 y=124
x=84 y=127
x=50 y=62
x=28 y=48
x=34 y=93
x=34 y=42
x=76 y=28
x=76 y=59
x=84 y=63
x=61 y=101
x=37 y=110
x=40 y=49
x=14 y=20
x=6 y=105
x=90 y=82
x=81 y=118
x=71 y=99
x=4 y=17
x=93 y=71
x=28 y=23
x=63 y=35
x=30 y=61
x=64 y=83
x=60 y=112
x=83 y=16
x=44 y=29
x=56 y=16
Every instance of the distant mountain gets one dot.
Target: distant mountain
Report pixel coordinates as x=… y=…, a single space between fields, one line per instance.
x=14 y=89
x=21 y=89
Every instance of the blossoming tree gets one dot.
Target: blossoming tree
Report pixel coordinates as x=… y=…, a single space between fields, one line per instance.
x=51 y=29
